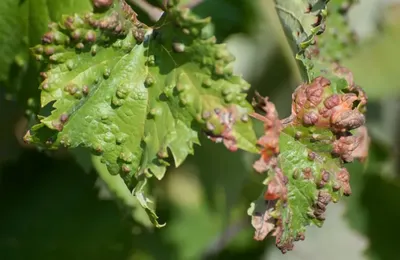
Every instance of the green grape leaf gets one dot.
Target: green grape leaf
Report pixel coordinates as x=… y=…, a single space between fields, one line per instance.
x=130 y=92
x=320 y=43
x=141 y=195
x=304 y=156
x=302 y=20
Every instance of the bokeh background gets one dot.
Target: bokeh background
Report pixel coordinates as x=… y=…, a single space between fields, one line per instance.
x=54 y=205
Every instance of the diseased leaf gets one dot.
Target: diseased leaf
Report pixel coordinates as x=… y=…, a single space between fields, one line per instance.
x=302 y=20
x=130 y=92
x=323 y=56
x=338 y=41
x=140 y=193
x=306 y=171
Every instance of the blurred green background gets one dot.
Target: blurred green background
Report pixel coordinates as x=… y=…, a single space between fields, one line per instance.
x=53 y=205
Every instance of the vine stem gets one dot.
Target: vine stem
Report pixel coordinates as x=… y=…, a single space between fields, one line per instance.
x=154 y=12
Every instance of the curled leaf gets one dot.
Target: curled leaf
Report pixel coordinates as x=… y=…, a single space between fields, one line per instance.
x=269 y=142
x=140 y=194
x=308 y=173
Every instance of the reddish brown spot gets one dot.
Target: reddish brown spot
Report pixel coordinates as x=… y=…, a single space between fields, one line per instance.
x=345 y=146
x=310 y=118
x=283 y=245
x=325 y=175
x=64 y=118
x=126 y=168
x=307 y=173
x=91 y=36
x=332 y=101
x=57 y=125
x=270 y=140
x=344 y=179
x=308 y=9
x=317 y=21
x=314 y=93
x=118 y=29
x=139 y=35
x=320 y=206
x=226 y=118
x=98 y=149
x=85 y=90
x=277 y=187
x=343 y=121
x=311 y=156
x=102 y=3
x=48 y=37
x=43 y=75
x=323 y=82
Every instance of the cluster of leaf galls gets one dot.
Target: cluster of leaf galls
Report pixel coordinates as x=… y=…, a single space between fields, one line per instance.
x=324 y=115
x=129 y=92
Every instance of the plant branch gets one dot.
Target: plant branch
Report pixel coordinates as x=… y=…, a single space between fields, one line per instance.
x=153 y=12
x=193 y=3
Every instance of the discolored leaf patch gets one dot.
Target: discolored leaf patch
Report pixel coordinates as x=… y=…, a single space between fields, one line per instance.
x=307 y=172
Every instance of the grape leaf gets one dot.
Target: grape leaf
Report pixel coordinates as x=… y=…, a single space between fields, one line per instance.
x=305 y=169
x=130 y=92
x=302 y=20
x=338 y=40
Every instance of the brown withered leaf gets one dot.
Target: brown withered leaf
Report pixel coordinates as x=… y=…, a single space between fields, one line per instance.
x=269 y=142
